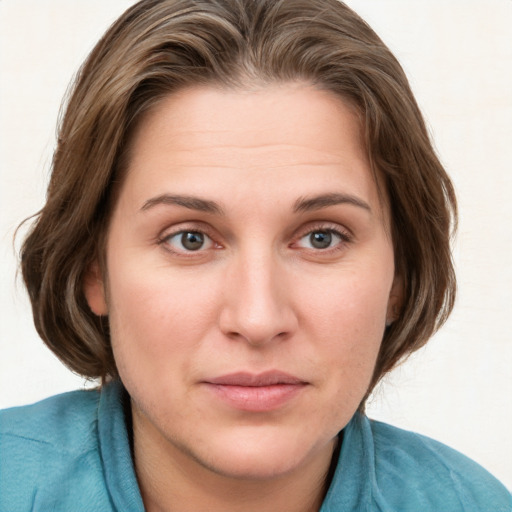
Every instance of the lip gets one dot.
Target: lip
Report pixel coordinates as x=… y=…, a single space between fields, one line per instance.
x=261 y=392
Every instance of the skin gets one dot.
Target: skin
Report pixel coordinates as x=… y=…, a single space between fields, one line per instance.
x=258 y=295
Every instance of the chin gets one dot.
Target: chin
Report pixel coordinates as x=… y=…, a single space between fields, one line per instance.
x=251 y=466
x=258 y=455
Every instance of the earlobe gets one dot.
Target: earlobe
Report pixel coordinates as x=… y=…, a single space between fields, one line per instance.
x=94 y=290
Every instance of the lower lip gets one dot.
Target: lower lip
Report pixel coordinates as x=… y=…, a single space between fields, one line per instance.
x=256 y=398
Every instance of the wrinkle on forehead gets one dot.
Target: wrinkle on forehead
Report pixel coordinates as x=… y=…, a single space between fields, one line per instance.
x=237 y=129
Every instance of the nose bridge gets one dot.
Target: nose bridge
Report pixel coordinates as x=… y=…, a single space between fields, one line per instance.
x=257 y=306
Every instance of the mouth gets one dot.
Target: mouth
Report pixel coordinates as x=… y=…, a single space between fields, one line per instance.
x=261 y=392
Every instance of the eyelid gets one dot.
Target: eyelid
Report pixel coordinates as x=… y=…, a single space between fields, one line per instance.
x=207 y=241
x=343 y=233
x=187 y=227
x=334 y=227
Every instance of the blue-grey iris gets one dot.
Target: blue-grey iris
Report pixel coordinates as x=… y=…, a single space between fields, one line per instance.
x=192 y=240
x=320 y=239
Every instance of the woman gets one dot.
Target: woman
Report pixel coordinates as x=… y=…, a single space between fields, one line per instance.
x=246 y=228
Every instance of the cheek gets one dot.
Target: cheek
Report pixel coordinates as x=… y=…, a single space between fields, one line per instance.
x=351 y=304
x=157 y=318
x=345 y=316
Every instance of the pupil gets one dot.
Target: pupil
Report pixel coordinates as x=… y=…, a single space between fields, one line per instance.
x=320 y=239
x=192 y=241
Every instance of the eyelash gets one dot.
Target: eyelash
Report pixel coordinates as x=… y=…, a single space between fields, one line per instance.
x=343 y=235
x=165 y=239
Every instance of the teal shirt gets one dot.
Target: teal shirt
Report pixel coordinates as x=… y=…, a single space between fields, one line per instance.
x=71 y=453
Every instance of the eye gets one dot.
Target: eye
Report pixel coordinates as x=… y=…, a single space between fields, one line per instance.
x=322 y=239
x=188 y=241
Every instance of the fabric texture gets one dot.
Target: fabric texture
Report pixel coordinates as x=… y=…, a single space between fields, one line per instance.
x=71 y=453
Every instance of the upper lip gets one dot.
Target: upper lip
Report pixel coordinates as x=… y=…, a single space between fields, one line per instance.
x=269 y=378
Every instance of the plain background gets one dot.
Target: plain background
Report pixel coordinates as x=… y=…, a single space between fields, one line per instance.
x=458 y=56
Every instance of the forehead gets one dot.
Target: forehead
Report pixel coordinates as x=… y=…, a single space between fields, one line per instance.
x=272 y=115
x=293 y=136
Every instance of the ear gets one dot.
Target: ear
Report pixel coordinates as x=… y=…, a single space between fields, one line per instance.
x=94 y=290
x=395 y=300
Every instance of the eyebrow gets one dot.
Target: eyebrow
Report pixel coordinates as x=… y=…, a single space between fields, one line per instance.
x=192 y=203
x=307 y=204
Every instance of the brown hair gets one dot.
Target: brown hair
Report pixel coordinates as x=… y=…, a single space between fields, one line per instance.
x=159 y=46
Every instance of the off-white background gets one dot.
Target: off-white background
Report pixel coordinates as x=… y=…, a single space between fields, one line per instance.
x=458 y=55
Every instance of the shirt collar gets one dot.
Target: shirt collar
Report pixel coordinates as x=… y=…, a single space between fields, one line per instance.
x=115 y=449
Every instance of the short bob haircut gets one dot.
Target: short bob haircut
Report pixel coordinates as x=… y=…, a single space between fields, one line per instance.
x=160 y=46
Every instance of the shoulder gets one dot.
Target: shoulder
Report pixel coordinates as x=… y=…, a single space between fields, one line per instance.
x=46 y=446
x=419 y=468
x=65 y=421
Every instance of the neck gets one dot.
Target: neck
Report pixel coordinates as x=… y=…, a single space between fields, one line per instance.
x=172 y=480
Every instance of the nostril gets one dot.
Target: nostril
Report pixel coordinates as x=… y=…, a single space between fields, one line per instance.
x=256 y=312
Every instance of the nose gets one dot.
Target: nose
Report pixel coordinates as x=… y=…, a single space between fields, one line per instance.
x=258 y=306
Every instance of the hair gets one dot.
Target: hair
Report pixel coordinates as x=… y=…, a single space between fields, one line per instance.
x=160 y=46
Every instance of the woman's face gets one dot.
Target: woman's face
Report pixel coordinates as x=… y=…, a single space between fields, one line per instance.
x=250 y=275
